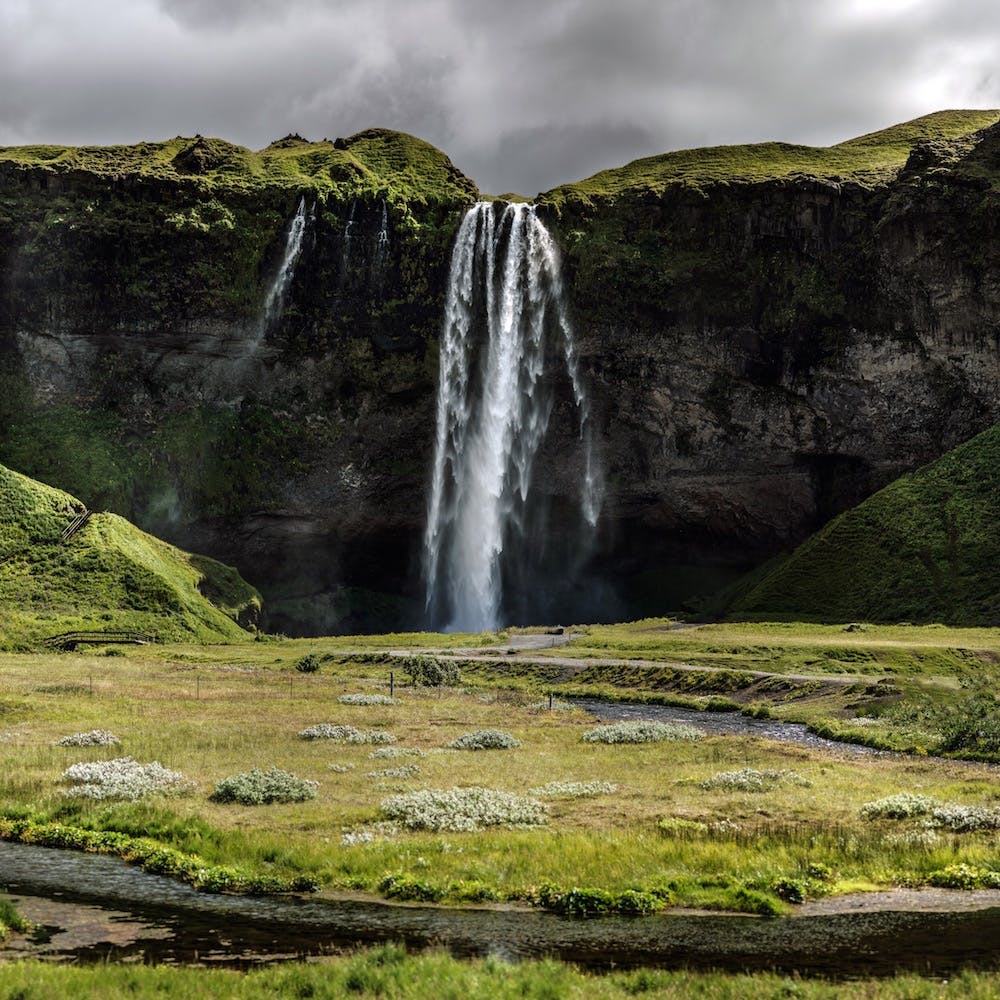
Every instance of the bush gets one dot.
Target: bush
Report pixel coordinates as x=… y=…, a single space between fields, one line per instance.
x=309 y=664
x=391 y=753
x=430 y=672
x=122 y=778
x=642 y=732
x=976 y=728
x=903 y=805
x=94 y=738
x=748 y=779
x=463 y=809
x=578 y=902
x=573 y=789
x=345 y=734
x=367 y=699
x=406 y=771
x=485 y=739
x=256 y=787
x=400 y=886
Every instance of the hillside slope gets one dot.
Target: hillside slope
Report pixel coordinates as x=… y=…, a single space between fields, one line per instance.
x=108 y=576
x=925 y=548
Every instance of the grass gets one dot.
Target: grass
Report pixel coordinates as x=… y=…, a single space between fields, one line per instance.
x=109 y=576
x=869 y=160
x=925 y=548
x=242 y=706
x=389 y=972
x=375 y=161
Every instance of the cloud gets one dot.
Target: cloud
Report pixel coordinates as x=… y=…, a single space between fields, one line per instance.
x=522 y=95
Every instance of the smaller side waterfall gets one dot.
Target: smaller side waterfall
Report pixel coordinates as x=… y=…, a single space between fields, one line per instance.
x=345 y=257
x=505 y=321
x=275 y=299
x=381 y=254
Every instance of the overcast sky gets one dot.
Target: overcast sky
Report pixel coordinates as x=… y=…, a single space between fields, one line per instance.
x=522 y=94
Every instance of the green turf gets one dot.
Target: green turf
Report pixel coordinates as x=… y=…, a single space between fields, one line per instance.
x=925 y=548
x=109 y=576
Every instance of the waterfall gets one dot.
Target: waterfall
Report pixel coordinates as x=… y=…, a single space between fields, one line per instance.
x=505 y=319
x=381 y=242
x=345 y=258
x=275 y=298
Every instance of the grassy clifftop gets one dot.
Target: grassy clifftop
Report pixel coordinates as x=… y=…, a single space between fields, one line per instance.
x=375 y=160
x=925 y=548
x=109 y=576
x=869 y=159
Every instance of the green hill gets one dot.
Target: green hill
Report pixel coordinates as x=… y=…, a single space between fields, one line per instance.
x=376 y=160
x=108 y=576
x=925 y=548
x=869 y=160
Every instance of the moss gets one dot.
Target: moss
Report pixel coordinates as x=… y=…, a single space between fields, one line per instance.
x=109 y=576
x=923 y=549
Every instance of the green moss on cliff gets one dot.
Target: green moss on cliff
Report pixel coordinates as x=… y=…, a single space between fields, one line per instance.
x=374 y=161
x=108 y=576
x=869 y=159
x=925 y=548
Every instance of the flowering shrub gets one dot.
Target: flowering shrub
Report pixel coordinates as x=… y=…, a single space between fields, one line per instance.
x=95 y=738
x=964 y=819
x=642 y=732
x=574 y=789
x=462 y=809
x=367 y=699
x=903 y=805
x=937 y=815
x=485 y=739
x=406 y=771
x=341 y=768
x=368 y=834
x=749 y=780
x=391 y=753
x=256 y=787
x=345 y=734
x=122 y=778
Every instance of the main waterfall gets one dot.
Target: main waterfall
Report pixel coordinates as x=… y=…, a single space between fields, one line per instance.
x=505 y=321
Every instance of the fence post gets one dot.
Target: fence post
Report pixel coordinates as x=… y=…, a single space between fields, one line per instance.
x=392 y=684
x=550 y=701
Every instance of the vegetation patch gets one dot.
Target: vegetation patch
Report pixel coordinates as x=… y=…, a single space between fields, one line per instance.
x=462 y=809
x=573 y=789
x=485 y=739
x=749 y=779
x=643 y=732
x=345 y=734
x=257 y=787
x=122 y=778
x=92 y=738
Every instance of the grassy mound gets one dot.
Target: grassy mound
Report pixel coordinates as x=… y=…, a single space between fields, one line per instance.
x=109 y=576
x=869 y=159
x=925 y=548
x=375 y=160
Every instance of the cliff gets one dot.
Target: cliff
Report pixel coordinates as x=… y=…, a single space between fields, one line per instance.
x=770 y=334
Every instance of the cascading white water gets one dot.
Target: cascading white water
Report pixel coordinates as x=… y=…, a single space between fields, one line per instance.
x=345 y=257
x=275 y=298
x=381 y=254
x=505 y=304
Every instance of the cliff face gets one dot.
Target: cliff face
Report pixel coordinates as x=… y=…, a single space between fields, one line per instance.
x=770 y=334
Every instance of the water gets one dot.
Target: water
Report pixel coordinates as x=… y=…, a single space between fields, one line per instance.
x=505 y=321
x=98 y=908
x=345 y=258
x=724 y=724
x=275 y=299
x=381 y=255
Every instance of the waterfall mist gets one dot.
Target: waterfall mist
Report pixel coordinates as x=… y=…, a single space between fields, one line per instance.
x=492 y=548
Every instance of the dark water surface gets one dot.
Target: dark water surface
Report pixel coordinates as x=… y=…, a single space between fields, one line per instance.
x=99 y=908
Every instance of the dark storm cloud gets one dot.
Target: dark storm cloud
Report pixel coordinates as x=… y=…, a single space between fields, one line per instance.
x=523 y=94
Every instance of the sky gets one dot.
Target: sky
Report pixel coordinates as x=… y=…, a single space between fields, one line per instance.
x=521 y=94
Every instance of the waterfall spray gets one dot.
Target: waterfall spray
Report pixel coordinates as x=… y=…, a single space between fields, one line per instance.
x=505 y=304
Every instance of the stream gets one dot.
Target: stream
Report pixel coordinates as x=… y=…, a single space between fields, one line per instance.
x=95 y=908
x=723 y=724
